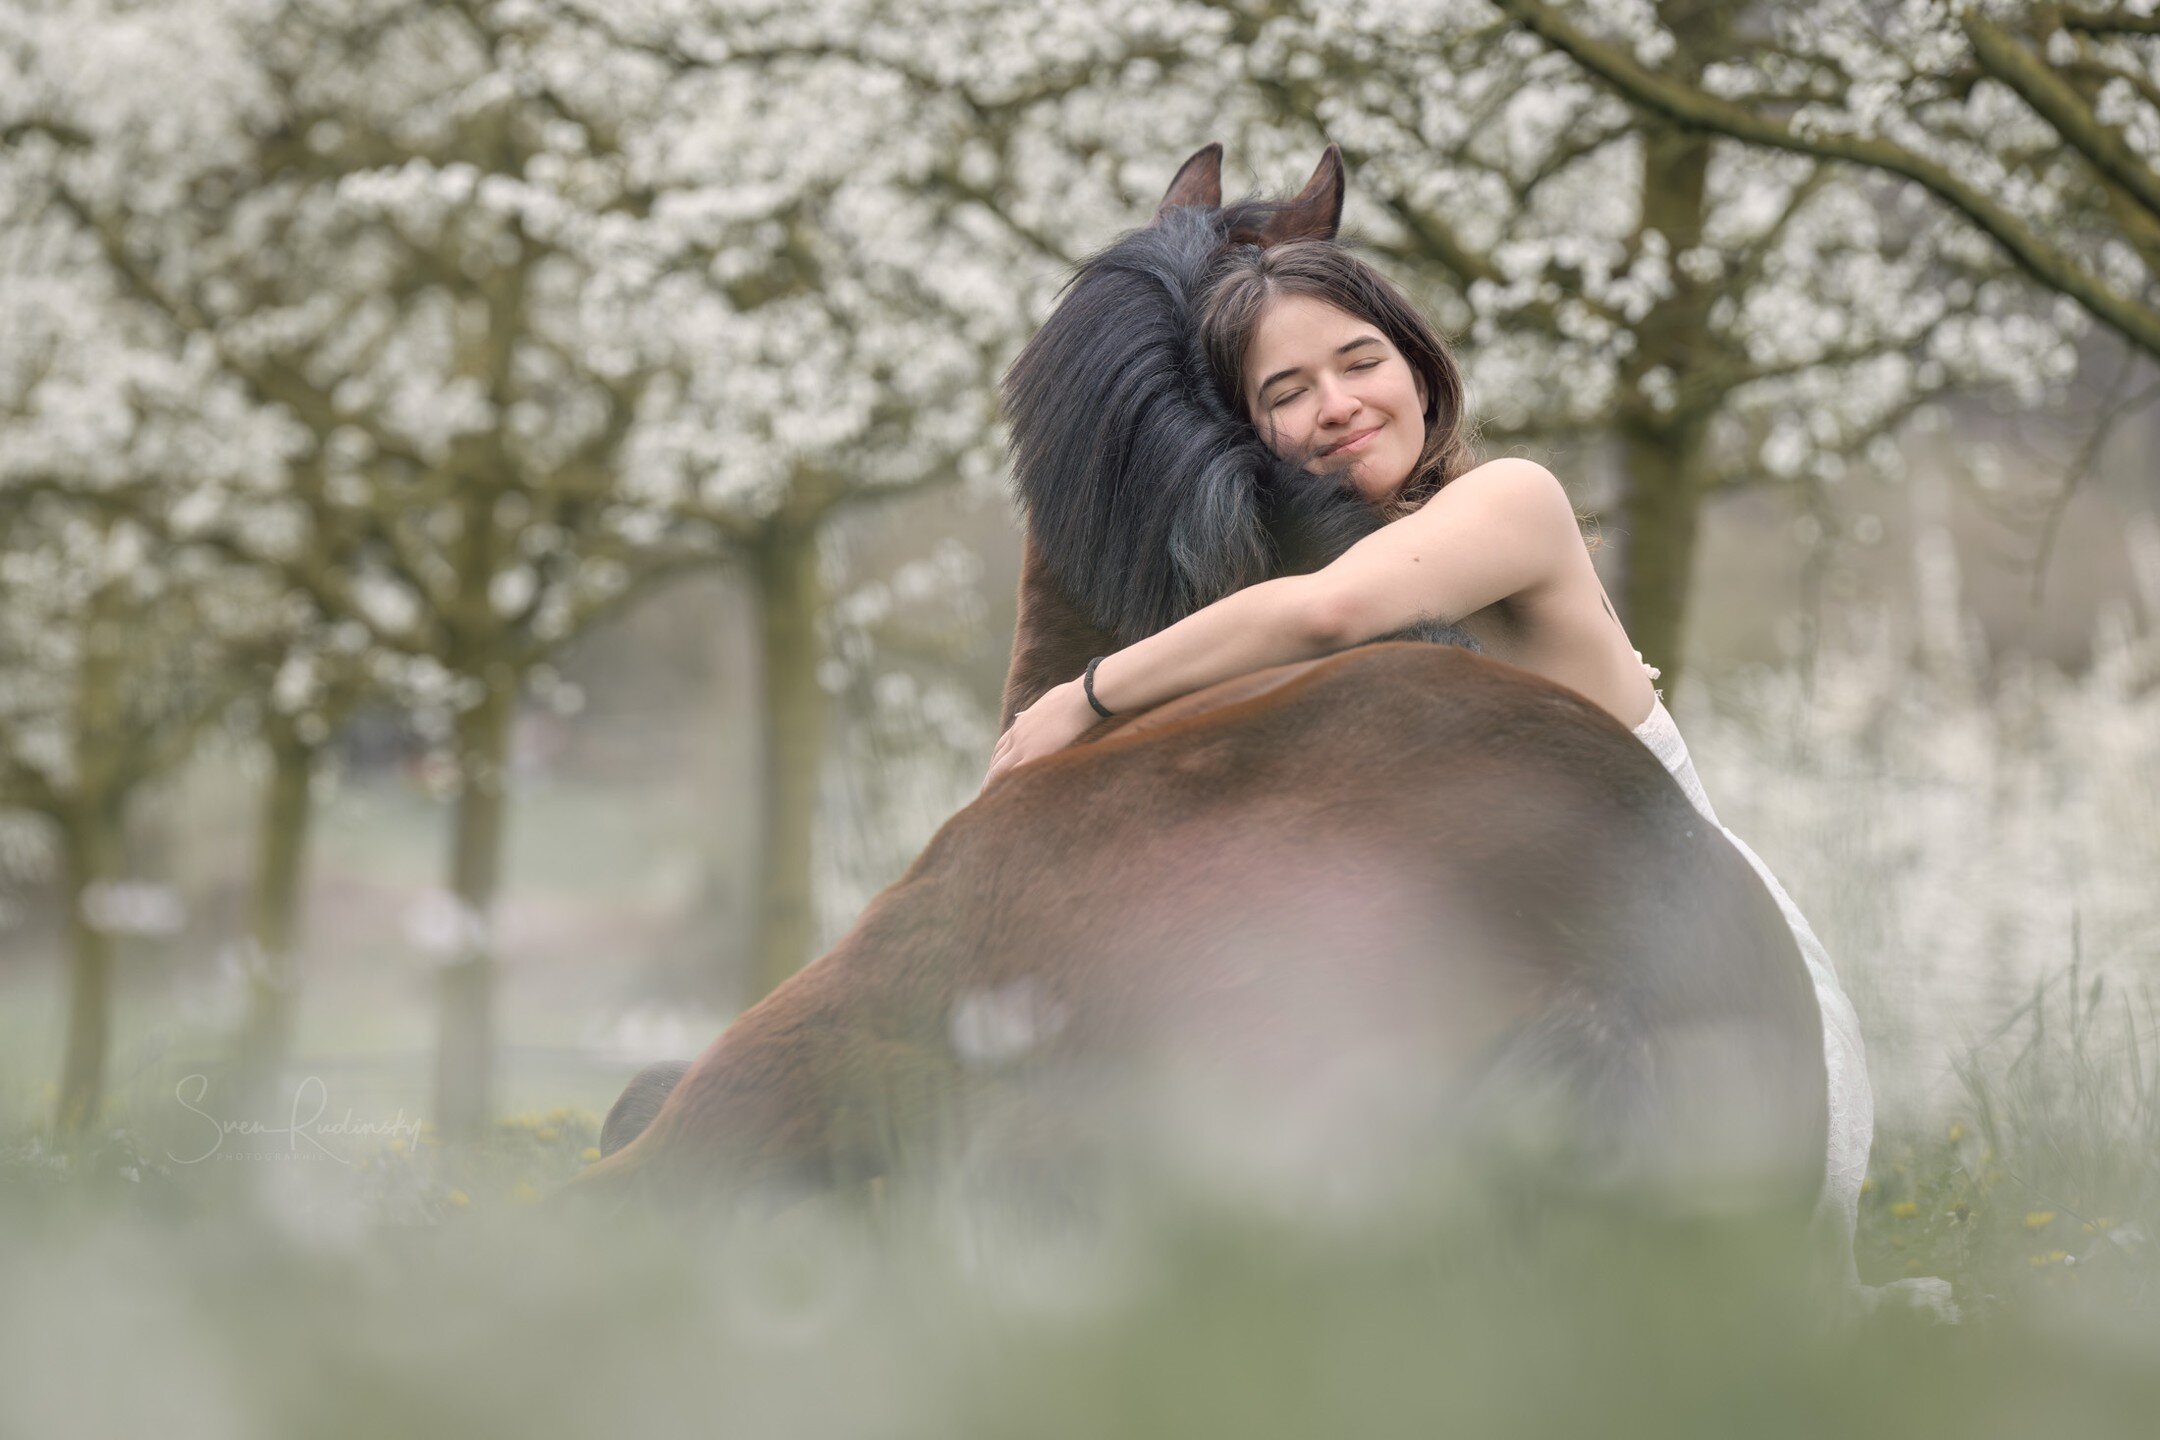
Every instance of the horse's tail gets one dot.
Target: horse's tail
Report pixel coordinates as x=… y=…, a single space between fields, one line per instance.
x=607 y=1184
x=640 y=1100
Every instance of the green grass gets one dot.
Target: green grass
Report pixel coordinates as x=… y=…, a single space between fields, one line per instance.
x=420 y=1290
x=2043 y=1180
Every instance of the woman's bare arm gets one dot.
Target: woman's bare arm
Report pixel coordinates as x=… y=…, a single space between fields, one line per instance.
x=1494 y=532
x=1272 y=622
x=1498 y=532
x=1265 y=624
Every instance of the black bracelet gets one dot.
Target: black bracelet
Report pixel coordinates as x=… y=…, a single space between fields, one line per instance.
x=1087 y=683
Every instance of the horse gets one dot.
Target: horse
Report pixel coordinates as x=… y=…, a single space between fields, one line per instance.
x=1432 y=876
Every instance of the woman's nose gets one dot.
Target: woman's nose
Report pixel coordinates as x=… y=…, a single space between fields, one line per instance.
x=1336 y=402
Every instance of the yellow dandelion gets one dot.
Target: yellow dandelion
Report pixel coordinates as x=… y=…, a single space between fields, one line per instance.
x=589 y=1154
x=397 y=1146
x=2101 y=1222
x=1905 y=1209
x=1957 y=1131
x=1867 y=1186
x=2039 y=1219
x=545 y=1134
x=458 y=1198
x=523 y=1193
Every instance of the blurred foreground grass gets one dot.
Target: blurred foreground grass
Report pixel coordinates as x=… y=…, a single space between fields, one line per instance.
x=420 y=1291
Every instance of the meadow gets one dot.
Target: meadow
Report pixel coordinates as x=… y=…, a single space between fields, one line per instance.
x=1975 y=841
x=420 y=1290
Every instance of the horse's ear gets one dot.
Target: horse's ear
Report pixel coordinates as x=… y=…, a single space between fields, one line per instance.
x=1198 y=181
x=1316 y=213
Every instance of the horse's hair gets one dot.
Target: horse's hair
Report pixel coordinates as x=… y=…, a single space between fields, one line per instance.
x=1146 y=494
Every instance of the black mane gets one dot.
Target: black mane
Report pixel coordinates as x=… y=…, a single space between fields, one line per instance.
x=1146 y=494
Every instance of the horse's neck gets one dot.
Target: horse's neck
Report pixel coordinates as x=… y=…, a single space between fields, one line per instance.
x=1052 y=640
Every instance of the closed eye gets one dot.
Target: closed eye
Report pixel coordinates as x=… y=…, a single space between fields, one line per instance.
x=1289 y=395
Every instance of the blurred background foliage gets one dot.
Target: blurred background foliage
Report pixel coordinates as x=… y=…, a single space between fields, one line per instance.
x=503 y=545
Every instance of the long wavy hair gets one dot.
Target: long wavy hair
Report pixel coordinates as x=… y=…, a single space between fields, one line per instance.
x=1329 y=270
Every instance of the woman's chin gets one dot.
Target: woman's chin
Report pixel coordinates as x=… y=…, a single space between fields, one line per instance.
x=1378 y=492
x=1353 y=476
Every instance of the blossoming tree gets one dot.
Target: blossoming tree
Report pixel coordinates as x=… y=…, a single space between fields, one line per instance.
x=540 y=322
x=1700 y=316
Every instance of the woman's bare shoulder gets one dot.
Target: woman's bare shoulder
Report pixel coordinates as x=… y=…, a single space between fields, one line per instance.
x=1519 y=482
x=1515 y=497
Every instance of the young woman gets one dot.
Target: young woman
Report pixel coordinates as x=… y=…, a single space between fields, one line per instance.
x=1336 y=368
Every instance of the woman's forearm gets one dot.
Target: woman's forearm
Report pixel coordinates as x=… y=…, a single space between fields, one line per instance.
x=1269 y=623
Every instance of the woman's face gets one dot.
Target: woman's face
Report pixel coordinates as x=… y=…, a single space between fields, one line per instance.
x=1317 y=375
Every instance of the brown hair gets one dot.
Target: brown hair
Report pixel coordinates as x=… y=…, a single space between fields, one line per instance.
x=1327 y=270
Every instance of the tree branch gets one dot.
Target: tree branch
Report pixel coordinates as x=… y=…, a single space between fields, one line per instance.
x=2063 y=108
x=1685 y=105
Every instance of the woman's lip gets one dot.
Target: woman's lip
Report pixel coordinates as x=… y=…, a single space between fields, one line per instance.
x=1355 y=442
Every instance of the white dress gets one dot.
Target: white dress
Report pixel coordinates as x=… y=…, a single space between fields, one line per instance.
x=1852 y=1098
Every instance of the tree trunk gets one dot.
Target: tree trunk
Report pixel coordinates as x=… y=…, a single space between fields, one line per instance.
x=1661 y=513
x=465 y=1054
x=1662 y=440
x=274 y=921
x=790 y=597
x=90 y=843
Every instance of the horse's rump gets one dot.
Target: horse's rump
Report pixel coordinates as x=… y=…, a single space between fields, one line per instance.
x=1379 y=884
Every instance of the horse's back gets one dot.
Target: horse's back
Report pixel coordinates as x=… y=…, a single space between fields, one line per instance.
x=1406 y=867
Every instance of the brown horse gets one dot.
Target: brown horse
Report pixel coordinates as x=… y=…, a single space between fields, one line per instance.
x=1406 y=862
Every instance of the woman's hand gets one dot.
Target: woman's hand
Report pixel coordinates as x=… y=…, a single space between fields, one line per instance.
x=1060 y=716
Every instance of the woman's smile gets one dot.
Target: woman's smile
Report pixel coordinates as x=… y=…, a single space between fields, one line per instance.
x=1354 y=444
